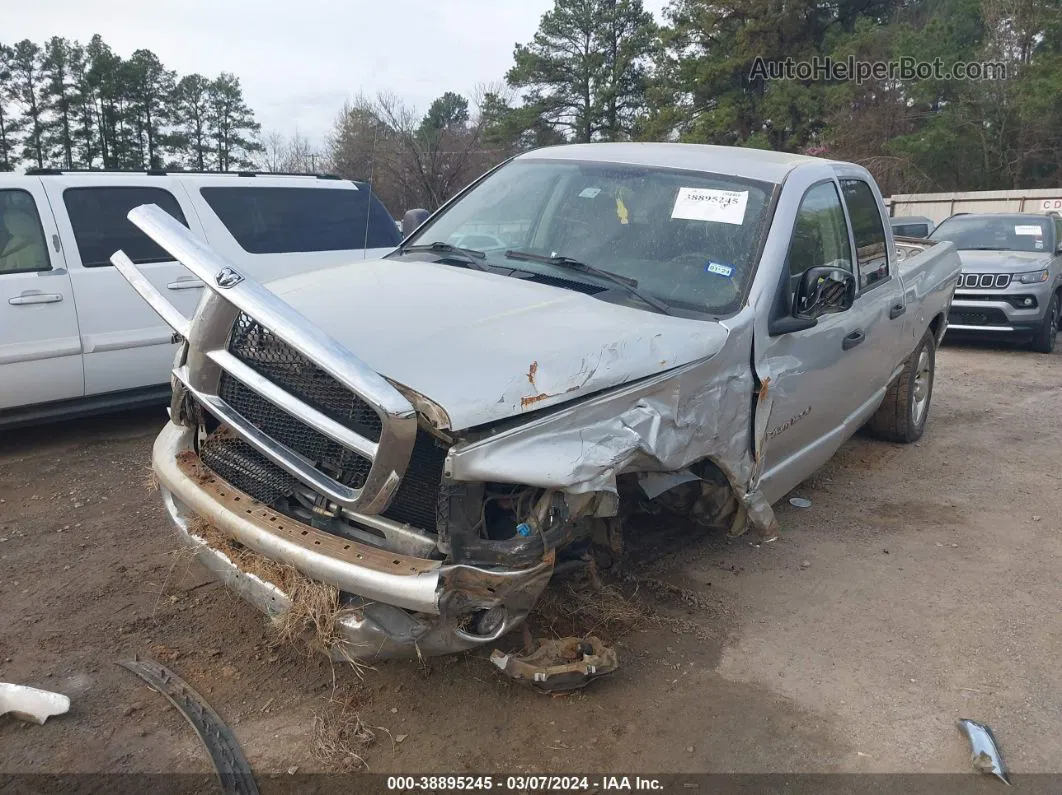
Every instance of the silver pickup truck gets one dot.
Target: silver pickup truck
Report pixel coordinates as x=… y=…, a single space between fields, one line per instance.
x=670 y=326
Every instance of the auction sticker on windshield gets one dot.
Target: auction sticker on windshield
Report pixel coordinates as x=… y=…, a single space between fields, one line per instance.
x=710 y=204
x=1032 y=229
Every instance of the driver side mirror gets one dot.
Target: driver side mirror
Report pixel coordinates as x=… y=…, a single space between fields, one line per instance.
x=412 y=220
x=824 y=291
x=821 y=291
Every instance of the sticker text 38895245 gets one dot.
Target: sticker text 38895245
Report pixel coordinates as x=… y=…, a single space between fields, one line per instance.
x=710 y=204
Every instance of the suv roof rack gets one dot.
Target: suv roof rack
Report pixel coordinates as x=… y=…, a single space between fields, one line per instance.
x=162 y=172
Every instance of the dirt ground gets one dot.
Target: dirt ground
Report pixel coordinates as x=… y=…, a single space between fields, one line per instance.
x=922 y=586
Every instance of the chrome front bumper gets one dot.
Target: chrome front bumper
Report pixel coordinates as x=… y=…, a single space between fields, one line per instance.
x=421 y=607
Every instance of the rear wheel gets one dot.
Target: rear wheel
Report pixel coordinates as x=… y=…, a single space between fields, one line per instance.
x=1044 y=339
x=902 y=415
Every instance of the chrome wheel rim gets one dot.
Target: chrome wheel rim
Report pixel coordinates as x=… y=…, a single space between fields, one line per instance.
x=920 y=394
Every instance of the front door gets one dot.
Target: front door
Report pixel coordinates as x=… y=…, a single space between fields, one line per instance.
x=40 y=347
x=126 y=345
x=825 y=378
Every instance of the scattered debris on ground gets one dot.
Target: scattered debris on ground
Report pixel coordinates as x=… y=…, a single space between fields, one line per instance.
x=231 y=765
x=559 y=665
x=340 y=737
x=570 y=608
x=984 y=750
x=30 y=704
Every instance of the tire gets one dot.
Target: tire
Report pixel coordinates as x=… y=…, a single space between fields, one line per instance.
x=902 y=415
x=1044 y=339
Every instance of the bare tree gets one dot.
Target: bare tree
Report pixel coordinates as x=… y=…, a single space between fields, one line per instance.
x=274 y=152
x=294 y=155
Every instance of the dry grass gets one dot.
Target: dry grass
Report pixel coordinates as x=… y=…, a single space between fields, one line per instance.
x=151 y=480
x=566 y=611
x=311 y=622
x=339 y=735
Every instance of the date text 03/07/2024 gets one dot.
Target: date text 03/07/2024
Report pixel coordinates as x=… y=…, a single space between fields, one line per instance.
x=521 y=783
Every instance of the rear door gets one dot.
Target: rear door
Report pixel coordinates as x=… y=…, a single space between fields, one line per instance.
x=40 y=347
x=126 y=345
x=881 y=302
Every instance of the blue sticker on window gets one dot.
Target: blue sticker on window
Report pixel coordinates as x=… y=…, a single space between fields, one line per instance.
x=719 y=269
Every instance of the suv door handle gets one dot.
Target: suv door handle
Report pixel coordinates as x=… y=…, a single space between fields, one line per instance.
x=897 y=310
x=184 y=284
x=853 y=339
x=35 y=298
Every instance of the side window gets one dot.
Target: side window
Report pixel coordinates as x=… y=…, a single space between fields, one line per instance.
x=101 y=227
x=287 y=220
x=1058 y=234
x=868 y=232
x=23 y=248
x=820 y=235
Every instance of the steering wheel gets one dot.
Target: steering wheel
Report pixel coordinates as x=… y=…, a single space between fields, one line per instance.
x=716 y=284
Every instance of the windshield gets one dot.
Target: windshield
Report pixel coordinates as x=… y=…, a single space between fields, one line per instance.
x=996 y=233
x=689 y=239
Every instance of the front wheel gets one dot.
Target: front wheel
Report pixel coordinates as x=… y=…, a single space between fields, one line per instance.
x=1044 y=339
x=902 y=415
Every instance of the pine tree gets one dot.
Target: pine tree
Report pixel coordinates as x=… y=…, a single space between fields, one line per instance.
x=10 y=122
x=26 y=88
x=231 y=124
x=58 y=99
x=151 y=88
x=584 y=71
x=191 y=112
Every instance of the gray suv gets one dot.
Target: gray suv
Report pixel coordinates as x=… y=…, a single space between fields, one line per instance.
x=1011 y=281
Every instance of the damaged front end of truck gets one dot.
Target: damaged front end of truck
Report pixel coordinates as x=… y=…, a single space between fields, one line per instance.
x=284 y=445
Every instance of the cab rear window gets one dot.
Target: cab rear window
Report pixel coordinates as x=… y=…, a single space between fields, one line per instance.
x=270 y=220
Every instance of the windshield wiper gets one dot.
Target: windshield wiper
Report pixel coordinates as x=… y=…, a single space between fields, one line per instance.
x=469 y=255
x=567 y=263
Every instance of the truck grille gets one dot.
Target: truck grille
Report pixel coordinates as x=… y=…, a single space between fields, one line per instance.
x=328 y=456
x=236 y=462
x=416 y=502
x=974 y=317
x=417 y=499
x=271 y=357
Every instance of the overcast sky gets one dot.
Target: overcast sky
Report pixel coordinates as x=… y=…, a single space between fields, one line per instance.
x=298 y=60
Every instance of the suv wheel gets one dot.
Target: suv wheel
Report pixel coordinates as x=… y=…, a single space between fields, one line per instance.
x=1044 y=339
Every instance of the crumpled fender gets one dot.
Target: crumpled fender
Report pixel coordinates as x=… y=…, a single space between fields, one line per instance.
x=663 y=423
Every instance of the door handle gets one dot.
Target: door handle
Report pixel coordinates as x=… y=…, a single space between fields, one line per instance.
x=185 y=284
x=897 y=310
x=853 y=339
x=35 y=298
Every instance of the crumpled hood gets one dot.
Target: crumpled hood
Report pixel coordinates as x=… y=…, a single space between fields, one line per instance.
x=1003 y=261
x=486 y=347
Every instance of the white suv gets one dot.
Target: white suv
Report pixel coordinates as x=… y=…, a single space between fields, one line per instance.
x=75 y=338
